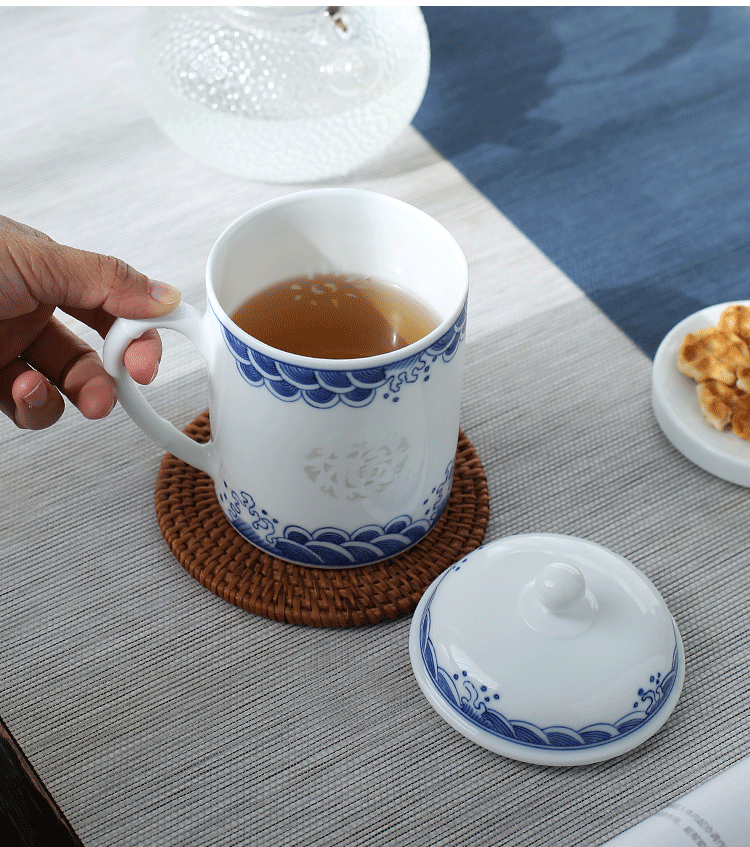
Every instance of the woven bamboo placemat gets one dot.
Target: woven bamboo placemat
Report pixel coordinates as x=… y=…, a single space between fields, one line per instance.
x=211 y=551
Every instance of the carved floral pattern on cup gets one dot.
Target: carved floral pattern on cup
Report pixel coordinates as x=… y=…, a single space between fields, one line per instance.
x=326 y=388
x=474 y=702
x=356 y=471
x=331 y=547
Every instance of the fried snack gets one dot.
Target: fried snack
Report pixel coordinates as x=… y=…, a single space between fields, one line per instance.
x=736 y=320
x=743 y=378
x=741 y=417
x=711 y=353
x=717 y=402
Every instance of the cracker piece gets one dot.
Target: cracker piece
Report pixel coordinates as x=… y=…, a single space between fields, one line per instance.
x=711 y=353
x=743 y=378
x=736 y=320
x=741 y=417
x=717 y=402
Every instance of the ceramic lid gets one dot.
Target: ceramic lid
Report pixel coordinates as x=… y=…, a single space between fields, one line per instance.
x=548 y=649
x=677 y=412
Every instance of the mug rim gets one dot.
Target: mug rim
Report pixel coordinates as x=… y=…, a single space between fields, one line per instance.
x=318 y=363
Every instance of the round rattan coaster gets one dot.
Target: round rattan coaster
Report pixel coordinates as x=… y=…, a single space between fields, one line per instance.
x=210 y=550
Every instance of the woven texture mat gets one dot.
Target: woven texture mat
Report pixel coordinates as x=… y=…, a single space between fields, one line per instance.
x=210 y=550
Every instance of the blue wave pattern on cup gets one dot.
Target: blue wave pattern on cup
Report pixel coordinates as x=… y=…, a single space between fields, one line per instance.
x=470 y=699
x=324 y=389
x=331 y=547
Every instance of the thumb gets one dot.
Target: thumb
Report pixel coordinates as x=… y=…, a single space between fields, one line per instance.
x=63 y=276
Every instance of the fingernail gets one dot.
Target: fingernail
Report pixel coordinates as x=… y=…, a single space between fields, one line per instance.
x=153 y=374
x=36 y=398
x=162 y=292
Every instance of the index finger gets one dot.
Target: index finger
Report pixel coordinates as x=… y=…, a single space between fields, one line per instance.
x=37 y=270
x=92 y=281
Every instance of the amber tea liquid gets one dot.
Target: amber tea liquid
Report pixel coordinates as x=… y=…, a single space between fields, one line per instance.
x=335 y=316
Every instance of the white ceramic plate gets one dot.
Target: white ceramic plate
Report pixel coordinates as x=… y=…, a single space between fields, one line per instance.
x=675 y=405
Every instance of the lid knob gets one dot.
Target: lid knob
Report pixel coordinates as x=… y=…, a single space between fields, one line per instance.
x=560 y=587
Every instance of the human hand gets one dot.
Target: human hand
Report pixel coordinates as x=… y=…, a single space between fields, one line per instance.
x=40 y=358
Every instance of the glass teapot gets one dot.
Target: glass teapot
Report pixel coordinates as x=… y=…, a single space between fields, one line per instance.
x=284 y=94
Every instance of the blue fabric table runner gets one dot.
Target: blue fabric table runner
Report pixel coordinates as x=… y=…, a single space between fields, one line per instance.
x=616 y=138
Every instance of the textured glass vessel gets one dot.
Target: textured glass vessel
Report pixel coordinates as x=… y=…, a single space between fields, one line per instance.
x=284 y=94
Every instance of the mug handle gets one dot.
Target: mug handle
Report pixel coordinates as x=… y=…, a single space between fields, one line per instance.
x=190 y=322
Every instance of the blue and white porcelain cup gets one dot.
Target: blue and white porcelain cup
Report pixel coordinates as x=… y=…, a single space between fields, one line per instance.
x=322 y=462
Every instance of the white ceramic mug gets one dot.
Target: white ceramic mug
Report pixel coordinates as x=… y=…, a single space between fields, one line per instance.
x=323 y=462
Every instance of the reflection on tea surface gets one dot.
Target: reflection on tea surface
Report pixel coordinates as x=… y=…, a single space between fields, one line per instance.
x=335 y=316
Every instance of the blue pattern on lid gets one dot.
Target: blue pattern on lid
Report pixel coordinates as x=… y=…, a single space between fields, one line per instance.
x=470 y=699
